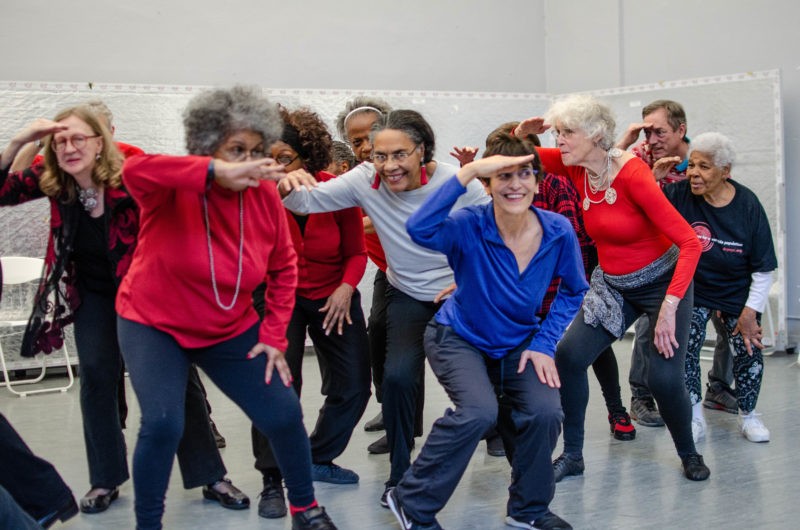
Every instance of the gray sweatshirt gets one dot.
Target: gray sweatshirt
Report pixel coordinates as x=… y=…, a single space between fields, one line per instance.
x=416 y=271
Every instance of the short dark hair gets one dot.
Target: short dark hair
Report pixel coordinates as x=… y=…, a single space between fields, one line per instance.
x=341 y=152
x=412 y=124
x=676 y=116
x=312 y=140
x=502 y=143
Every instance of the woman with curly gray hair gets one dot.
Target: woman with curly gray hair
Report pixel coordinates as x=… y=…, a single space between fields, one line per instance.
x=212 y=230
x=647 y=255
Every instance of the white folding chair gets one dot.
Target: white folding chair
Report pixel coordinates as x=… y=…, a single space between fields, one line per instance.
x=15 y=309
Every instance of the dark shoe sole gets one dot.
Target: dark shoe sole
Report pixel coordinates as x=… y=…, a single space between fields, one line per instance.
x=647 y=423
x=94 y=508
x=625 y=436
x=713 y=405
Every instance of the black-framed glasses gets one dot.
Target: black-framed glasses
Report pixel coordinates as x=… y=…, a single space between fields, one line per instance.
x=78 y=141
x=397 y=156
x=237 y=153
x=285 y=160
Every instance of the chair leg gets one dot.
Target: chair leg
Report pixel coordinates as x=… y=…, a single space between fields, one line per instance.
x=10 y=385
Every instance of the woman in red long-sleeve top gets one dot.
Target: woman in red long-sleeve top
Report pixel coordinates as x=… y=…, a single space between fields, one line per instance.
x=331 y=259
x=647 y=256
x=212 y=229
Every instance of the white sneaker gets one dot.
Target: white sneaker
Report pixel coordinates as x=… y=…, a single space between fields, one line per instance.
x=698 y=428
x=752 y=427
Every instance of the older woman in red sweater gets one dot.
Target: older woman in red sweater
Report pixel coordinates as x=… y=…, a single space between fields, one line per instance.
x=212 y=229
x=647 y=254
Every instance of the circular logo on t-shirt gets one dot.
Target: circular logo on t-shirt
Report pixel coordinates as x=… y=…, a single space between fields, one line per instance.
x=704 y=235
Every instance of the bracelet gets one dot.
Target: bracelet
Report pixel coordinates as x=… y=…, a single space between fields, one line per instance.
x=210 y=175
x=670 y=302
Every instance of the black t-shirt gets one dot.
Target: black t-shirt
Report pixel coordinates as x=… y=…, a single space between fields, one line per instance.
x=736 y=240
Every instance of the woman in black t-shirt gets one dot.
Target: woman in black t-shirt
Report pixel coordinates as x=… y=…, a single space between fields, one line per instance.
x=733 y=276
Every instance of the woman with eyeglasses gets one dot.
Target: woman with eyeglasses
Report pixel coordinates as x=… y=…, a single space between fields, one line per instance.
x=213 y=229
x=647 y=256
x=94 y=226
x=486 y=343
x=401 y=176
x=331 y=261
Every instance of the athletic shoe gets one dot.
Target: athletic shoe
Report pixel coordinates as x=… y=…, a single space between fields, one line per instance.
x=312 y=519
x=644 y=411
x=698 y=428
x=621 y=426
x=548 y=521
x=333 y=474
x=718 y=397
x=567 y=466
x=406 y=522
x=753 y=428
x=375 y=424
x=385 y=497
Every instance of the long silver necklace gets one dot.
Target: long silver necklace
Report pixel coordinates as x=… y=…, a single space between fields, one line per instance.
x=211 y=253
x=596 y=183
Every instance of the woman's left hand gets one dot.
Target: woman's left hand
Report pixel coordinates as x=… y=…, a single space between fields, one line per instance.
x=275 y=361
x=664 y=337
x=544 y=365
x=748 y=327
x=338 y=309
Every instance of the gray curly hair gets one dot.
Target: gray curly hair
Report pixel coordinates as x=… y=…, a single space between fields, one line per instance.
x=213 y=115
x=587 y=113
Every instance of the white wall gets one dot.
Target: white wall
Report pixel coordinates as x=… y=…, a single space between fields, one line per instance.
x=636 y=42
x=457 y=45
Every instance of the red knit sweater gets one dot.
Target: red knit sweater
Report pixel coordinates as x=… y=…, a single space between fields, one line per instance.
x=330 y=251
x=639 y=227
x=168 y=285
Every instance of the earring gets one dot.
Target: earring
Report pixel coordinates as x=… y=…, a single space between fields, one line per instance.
x=97 y=157
x=423 y=174
x=377 y=182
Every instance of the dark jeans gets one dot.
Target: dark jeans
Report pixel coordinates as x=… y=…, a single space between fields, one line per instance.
x=474 y=382
x=344 y=366
x=721 y=371
x=100 y=367
x=158 y=368
x=32 y=481
x=607 y=372
x=582 y=344
x=404 y=373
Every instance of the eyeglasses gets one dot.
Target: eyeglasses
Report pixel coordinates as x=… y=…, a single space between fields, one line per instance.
x=526 y=173
x=563 y=133
x=397 y=156
x=237 y=153
x=286 y=159
x=78 y=141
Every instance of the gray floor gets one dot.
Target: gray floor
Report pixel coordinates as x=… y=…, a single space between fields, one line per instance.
x=634 y=484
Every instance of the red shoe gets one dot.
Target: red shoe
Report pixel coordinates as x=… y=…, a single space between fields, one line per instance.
x=621 y=426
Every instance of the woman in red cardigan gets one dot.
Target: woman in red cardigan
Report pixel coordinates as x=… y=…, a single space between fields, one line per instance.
x=212 y=229
x=647 y=255
x=331 y=259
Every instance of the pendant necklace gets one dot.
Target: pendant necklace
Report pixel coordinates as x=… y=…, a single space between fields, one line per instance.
x=597 y=182
x=211 y=253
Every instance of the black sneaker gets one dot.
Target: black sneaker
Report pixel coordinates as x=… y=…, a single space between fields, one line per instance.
x=694 y=468
x=385 y=497
x=621 y=426
x=312 y=519
x=567 y=466
x=406 y=522
x=272 y=504
x=718 y=397
x=548 y=521
x=644 y=411
x=333 y=474
x=375 y=424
